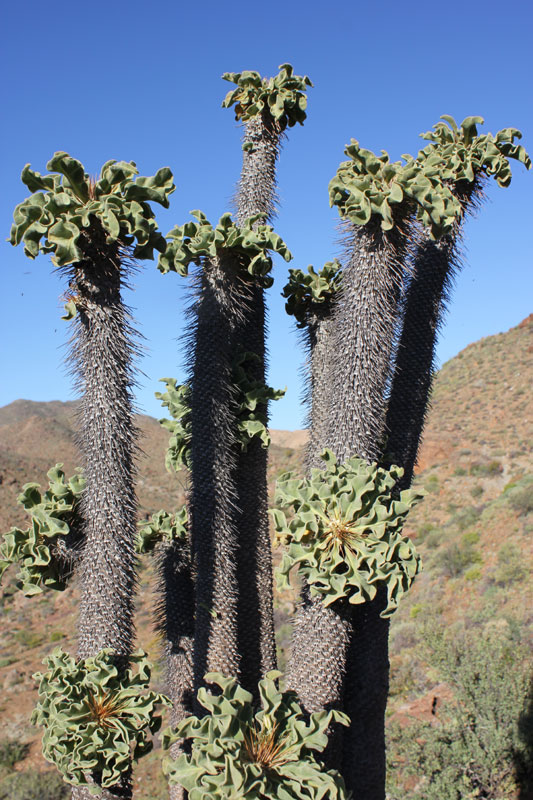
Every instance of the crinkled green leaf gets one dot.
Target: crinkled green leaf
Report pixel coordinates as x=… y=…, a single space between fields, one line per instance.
x=283 y=95
x=224 y=760
x=68 y=201
x=252 y=401
x=178 y=401
x=369 y=186
x=463 y=154
x=161 y=527
x=52 y=515
x=249 y=245
x=305 y=293
x=94 y=718
x=344 y=533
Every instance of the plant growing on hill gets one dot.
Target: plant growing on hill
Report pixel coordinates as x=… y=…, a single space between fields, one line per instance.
x=238 y=751
x=466 y=160
x=93 y=227
x=48 y=550
x=474 y=747
x=342 y=523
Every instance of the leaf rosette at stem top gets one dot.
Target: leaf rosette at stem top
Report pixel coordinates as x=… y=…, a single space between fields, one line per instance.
x=463 y=154
x=248 y=245
x=95 y=718
x=370 y=186
x=68 y=202
x=52 y=517
x=283 y=96
x=238 y=752
x=344 y=536
x=306 y=292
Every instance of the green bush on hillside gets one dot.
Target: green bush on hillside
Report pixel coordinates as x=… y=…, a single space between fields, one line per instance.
x=476 y=747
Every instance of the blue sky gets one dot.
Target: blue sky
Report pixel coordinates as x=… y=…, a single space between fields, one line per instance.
x=141 y=81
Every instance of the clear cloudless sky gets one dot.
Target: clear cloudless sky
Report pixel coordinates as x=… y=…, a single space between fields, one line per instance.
x=140 y=81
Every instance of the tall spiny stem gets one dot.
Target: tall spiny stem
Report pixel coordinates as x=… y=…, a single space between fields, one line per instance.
x=352 y=347
x=214 y=536
x=435 y=264
x=256 y=194
x=101 y=354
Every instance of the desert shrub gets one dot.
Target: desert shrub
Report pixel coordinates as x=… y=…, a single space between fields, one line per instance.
x=477 y=745
x=459 y=471
x=403 y=636
x=455 y=558
x=476 y=491
x=28 y=638
x=511 y=567
x=473 y=574
x=465 y=518
x=34 y=785
x=431 y=484
x=489 y=470
x=423 y=531
x=11 y=752
x=472 y=537
x=434 y=539
x=521 y=498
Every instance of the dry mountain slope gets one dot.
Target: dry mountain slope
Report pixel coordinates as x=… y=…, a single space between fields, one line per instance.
x=473 y=529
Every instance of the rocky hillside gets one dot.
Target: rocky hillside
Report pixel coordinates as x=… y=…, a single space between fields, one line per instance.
x=474 y=531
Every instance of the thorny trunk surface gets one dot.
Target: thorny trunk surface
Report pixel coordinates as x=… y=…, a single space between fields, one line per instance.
x=214 y=536
x=351 y=358
x=435 y=264
x=101 y=354
x=175 y=596
x=255 y=195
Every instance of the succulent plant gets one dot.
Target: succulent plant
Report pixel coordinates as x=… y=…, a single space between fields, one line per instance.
x=161 y=527
x=95 y=718
x=249 y=244
x=237 y=752
x=283 y=96
x=305 y=292
x=66 y=203
x=368 y=185
x=462 y=154
x=178 y=401
x=36 y=549
x=344 y=535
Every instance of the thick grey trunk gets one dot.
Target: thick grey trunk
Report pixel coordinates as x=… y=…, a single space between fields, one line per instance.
x=435 y=264
x=102 y=358
x=214 y=536
x=175 y=597
x=351 y=359
x=256 y=194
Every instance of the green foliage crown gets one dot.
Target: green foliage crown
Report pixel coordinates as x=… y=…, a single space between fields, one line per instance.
x=161 y=527
x=462 y=154
x=249 y=244
x=252 y=400
x=369 y=186
x=284 y=96
x=66 y=203
x=178 y=401
x=305 y=292
x=237 y=752
x=95 y=718
x=51 y=519
x=344 y=536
